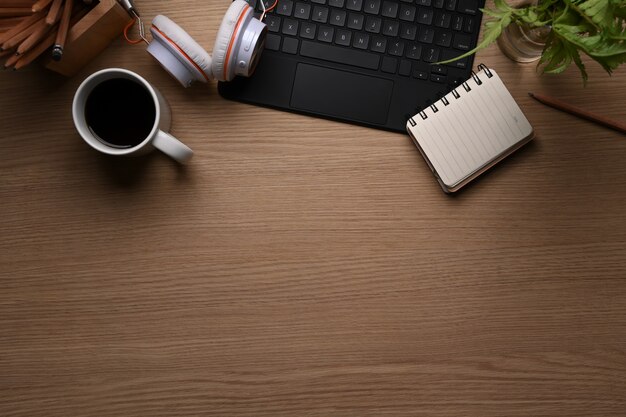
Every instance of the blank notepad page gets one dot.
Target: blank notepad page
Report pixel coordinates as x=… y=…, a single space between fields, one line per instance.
x=469 y=129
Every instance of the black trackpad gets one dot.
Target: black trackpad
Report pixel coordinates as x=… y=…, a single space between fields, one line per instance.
x=341 y=93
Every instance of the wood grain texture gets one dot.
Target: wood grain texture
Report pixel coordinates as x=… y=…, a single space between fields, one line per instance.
x=302 y=267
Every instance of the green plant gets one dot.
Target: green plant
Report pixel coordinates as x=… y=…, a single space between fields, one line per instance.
x=594 y=27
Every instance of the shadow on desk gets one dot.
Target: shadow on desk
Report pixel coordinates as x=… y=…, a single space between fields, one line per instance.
x=132 y=172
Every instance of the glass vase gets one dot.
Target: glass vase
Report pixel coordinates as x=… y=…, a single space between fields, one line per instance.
x=523 y=43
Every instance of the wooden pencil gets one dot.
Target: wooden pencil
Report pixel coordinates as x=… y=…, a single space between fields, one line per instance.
x=7 y=52
x=17 y=39
x=54 y=11
x=43 y=46
x=11 y=61
x=33 y=39
x=577 y=111
x=23 y=25
x=15 y=11
x=9 y=22
x=17 y=3
x=64 y=27
x=40 y=5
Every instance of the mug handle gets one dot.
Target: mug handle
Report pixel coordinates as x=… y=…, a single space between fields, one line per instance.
x=171 y=146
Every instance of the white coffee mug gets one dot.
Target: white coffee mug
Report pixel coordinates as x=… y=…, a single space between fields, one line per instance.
x=157 y=138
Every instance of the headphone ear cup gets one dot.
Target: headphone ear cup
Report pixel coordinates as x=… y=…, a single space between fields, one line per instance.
x=227 y=39
x=179 y=53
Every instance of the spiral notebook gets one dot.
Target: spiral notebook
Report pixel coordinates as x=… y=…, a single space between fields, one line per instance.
x=469 y=130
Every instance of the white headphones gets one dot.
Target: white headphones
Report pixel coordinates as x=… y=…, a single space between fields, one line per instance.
x=238 y=46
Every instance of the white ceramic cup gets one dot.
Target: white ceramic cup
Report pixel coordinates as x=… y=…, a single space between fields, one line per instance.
x=158 y=138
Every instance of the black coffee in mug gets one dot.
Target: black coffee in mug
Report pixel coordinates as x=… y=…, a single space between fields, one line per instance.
x=120 y=112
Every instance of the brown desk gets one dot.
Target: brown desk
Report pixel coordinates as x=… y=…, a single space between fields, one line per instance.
x=302 y=267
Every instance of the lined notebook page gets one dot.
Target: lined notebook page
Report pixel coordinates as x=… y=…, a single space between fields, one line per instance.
x=472 y=131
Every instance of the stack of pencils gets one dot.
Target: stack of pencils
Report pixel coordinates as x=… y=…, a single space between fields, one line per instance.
x=30 y=28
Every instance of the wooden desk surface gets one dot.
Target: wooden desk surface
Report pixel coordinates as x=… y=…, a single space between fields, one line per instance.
x=307 y=267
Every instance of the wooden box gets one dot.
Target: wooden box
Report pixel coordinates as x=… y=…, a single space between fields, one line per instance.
x=90 y=36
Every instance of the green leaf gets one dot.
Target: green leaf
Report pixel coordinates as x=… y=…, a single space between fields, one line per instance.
x=596 y=28
x=493 y=29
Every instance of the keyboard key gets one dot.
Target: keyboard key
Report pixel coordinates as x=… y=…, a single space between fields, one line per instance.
x=379 y=44
x=319 y=1
x=442 y=20
x=268 y=4
x=337 y=17
x=396 y=48
x=443 y=38
x=425 y=3
x=425 y=16
x=355 y=21
x=389 y=65
x=457 y=23
x=361 y=40
x=372 y=6
x=438 y=69
x=390 y=9
x=355 y=5
x=285 y=7
x=426 y=35
x=390 y=28
x=451 y=5
x=343 y=37
x=272 y=42
x=320 y=14
x=414 y=51
x=431 y=54
x=420 y=74
x=405 y=68
x=438 y=78
x=339 y=55
x=290 y=45
x=290 y=27
x=325 y=34
x=462 y=42
x=408 y=32
x=469 y=25
x=468 y=6
x=272 y=22
x=407 y=13
x=372 y=24
x=336 y=3
x=449 y=54
x=438 y=4
x=307 y=30
x=303 y=11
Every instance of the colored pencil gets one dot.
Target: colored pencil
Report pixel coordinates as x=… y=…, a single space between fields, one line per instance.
x=40 y=5
x=19 y=37
x=15 y=11
x=7 y=52
x=24 y=24
x=33 y=39
x=17 y=3
x=11 y=61
x=577 y=111
x=45 y=44
x=64 y=27
x=53 y=13
x=9 y=22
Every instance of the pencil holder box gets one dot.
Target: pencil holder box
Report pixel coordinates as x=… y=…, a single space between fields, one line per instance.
x=90 y=36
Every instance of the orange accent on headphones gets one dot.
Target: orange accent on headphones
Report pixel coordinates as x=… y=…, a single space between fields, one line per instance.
x=233 y=37
x=182 y=52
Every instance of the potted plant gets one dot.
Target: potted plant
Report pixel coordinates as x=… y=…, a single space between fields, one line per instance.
x=563 y=29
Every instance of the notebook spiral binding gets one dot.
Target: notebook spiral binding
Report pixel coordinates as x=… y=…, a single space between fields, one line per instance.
x=455 y=93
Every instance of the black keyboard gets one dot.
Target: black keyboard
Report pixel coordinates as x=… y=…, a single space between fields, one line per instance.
x=393 y=37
